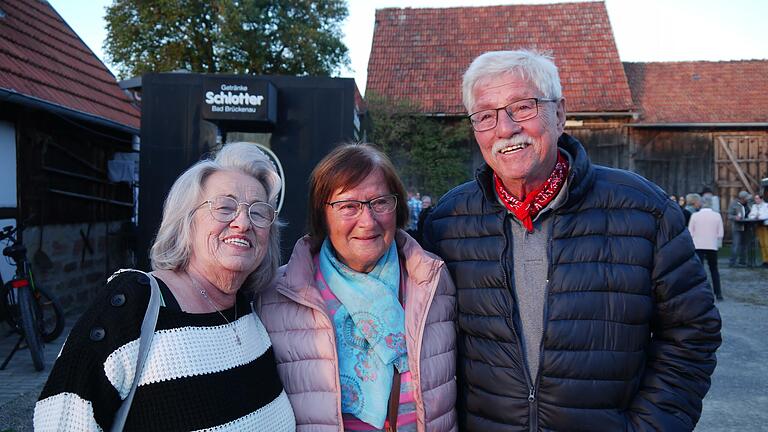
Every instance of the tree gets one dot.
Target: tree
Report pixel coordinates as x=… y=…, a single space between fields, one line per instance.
x=289 y=37
x=431 y=154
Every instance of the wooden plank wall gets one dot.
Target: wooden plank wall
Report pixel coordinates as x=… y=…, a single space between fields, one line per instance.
x=605 y=145
x=750 y=151
x=62 y=170
x=680 y=162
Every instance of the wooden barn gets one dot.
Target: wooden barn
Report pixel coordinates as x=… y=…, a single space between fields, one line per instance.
x=700 y=124
x=685 y=126
x=68 y=141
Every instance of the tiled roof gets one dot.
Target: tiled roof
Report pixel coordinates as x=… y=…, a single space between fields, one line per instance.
x=421 y=54
x=700 y=91
x=41 y=57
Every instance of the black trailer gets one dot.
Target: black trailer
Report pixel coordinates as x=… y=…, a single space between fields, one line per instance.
x=185 y=116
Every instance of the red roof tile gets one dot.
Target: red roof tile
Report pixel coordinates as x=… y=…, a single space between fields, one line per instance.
x=700 y=91
x=41 y=57
x=421 y=54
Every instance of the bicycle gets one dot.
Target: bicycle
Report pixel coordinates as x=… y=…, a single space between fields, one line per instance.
x=29 y=310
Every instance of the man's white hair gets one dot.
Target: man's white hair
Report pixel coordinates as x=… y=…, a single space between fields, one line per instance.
x=530 y=65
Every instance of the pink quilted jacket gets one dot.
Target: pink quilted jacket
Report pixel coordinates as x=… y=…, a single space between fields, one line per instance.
x=305 y=349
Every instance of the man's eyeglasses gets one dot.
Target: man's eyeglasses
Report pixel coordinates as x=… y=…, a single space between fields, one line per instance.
x=350 y=209
x=226 y=209
x=522 y=110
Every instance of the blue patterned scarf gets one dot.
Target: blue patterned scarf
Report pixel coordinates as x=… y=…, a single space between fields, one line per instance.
x=370 y=332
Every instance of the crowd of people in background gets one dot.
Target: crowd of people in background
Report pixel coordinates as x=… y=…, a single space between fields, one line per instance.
x=748 y=218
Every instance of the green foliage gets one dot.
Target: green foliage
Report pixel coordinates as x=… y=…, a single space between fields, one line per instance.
x=288 y=37
x=431 y=154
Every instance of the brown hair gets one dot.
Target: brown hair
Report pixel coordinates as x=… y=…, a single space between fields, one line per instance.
x=344 y=168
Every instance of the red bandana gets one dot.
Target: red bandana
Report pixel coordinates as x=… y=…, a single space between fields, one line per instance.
x=527 y=209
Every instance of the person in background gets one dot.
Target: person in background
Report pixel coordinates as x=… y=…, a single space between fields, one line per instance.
x=692 y=203
x=759 y=211
x=582 y=304
x=737 y=212
x=414 y=208
x=210 y=364
x=715 y=199
x=362 y=319
x=681 y=202
x=706 y=229
x=426 y=208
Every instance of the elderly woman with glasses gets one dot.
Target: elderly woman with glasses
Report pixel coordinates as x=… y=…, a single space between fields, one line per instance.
x=210 y=363
x=361 y=317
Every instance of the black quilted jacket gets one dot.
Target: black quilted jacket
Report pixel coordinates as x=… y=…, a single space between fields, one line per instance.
x=630 y=326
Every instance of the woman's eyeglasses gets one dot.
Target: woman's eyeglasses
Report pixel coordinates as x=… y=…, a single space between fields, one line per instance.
x=350 y=209
x=226 y=209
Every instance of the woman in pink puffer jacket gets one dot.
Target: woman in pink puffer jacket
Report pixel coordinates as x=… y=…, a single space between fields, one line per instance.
x=361 y=309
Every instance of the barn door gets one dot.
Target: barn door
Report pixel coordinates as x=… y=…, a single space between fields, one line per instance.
x=741 y=161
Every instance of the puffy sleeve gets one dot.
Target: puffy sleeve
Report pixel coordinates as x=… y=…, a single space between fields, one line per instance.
x=685 y=335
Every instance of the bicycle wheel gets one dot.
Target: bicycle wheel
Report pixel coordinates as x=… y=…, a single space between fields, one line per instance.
x=51 y=315
x=30 y=325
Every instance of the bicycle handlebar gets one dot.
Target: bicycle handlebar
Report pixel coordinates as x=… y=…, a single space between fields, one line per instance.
x=8 y=233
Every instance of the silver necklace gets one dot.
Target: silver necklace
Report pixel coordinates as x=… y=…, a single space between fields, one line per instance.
x=215 y=307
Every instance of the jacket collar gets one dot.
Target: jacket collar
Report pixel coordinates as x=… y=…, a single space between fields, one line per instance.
x=581 y=175
x=420 y=266
x=297 y=280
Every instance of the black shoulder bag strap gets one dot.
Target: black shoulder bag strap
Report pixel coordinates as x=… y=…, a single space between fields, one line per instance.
x=147 y=332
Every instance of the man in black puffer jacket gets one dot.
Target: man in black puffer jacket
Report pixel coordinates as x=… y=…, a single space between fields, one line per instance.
x=582 y=305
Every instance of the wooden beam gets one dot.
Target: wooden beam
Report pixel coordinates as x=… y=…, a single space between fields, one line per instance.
x=736 y=165
x=90 y=198
x=69 y=153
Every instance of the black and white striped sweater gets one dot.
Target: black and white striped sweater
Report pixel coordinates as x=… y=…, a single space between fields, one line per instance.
x=196 y=377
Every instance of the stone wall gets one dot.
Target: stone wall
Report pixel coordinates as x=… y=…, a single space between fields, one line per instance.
x=80 y=259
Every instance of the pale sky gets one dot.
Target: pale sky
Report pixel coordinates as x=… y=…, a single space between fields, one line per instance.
x=645 y=30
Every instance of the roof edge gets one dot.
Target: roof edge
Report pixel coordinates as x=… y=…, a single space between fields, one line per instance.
x=602 y=113
x=674 y=125
x=34 y=102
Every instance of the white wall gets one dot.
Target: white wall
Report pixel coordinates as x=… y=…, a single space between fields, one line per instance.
x=7 y=165
x=6 y=269
x=7 y=185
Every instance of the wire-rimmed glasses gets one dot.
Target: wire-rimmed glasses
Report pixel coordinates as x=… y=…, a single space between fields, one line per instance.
x=521 y=110
x=226 y=209
x=350 y=209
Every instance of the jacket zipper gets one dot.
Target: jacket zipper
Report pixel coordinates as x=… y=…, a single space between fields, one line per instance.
x=532 y=413
x=533 y=417
x=545 y=317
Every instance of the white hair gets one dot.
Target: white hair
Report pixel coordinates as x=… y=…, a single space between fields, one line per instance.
x=172 y=247
x=530 y=65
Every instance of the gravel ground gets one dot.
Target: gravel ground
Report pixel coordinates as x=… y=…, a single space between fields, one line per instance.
x=17 y=414
x=737 y=401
